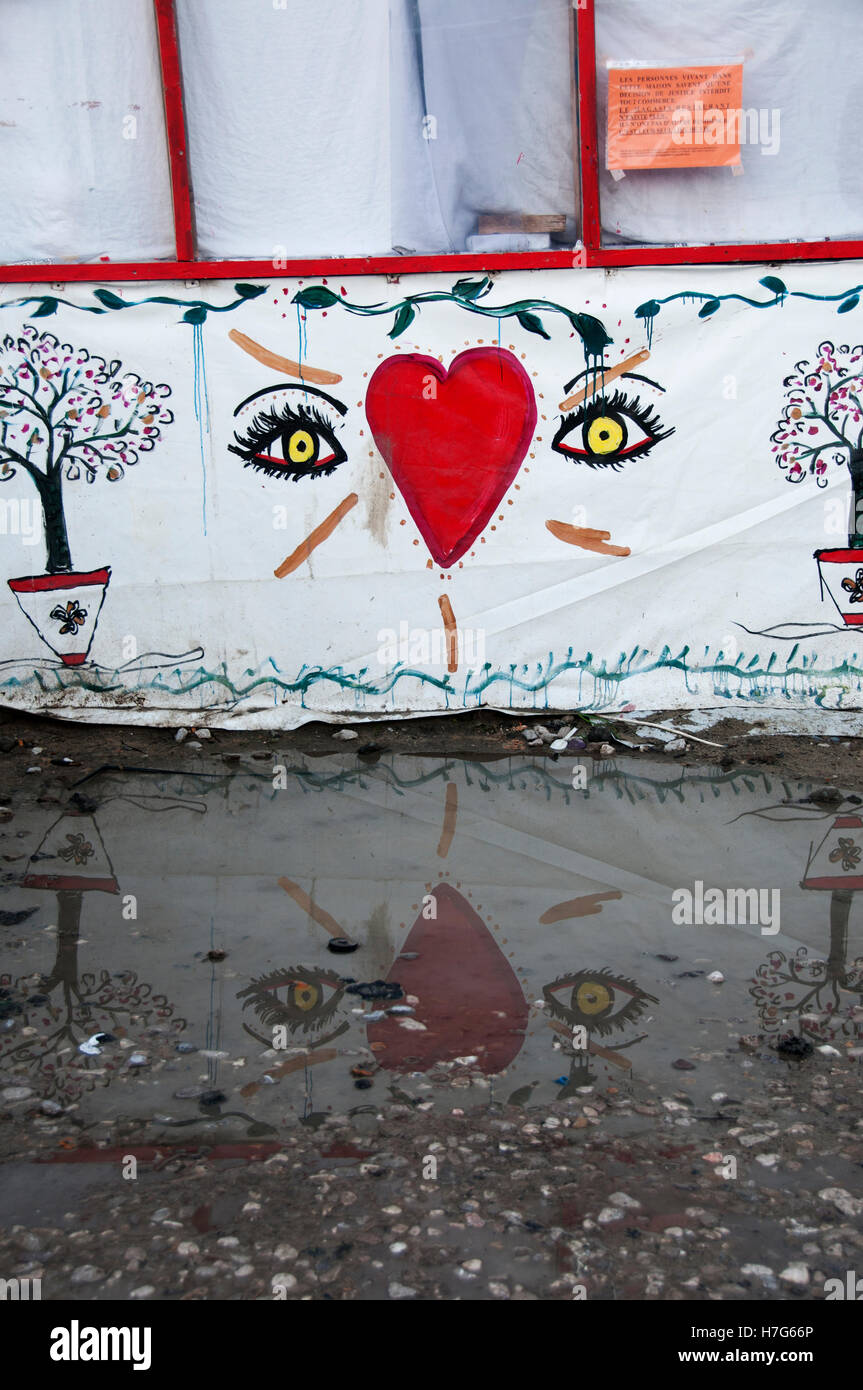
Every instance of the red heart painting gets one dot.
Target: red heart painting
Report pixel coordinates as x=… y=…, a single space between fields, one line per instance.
x=453 y=440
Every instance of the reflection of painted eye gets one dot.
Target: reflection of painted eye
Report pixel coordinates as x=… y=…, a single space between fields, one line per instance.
x=301 y=997
x=598 y=1000
x=290 y=432
x=608 y=430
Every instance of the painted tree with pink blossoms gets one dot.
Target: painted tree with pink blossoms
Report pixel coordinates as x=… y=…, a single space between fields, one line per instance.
x=66 y=415
x=822 y=424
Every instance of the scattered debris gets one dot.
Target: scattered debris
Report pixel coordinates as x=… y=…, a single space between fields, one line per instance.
x=14 y=919
x=791 y=1045
x=93 y=1046
x=377 y=989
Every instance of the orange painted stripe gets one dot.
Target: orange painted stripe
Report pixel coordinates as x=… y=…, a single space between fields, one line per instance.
x=451 y=629
x=593 y=1047
x=604 y=377
x=585 y=538
x=283 y=364
x=450 y=816
x=585 y=906
x=320 y=534
x=325 y=1054
x=317 y=914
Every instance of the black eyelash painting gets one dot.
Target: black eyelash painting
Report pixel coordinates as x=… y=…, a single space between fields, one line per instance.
x=598 y=1000
x=303 y=1003
x=608 y=431
x=290 y=432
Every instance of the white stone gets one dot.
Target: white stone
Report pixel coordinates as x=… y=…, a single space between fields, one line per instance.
x=609 y=1214
x=848 y=1205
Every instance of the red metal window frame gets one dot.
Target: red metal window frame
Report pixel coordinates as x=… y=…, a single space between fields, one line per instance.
x=185 y=267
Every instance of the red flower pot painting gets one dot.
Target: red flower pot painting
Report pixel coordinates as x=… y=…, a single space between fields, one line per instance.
x=842 y=576
x=64 y=609
x=67 y=416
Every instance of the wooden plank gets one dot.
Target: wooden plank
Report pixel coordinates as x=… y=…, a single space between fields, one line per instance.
x=494 y=223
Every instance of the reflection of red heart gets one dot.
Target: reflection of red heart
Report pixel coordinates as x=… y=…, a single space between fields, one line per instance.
x=470 y=998
x=453 y=440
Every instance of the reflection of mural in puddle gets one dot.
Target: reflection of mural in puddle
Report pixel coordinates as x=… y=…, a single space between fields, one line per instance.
x=302 y=998
x=71 y=860
x=470 y=1002
x=589 y=1004
x=813 y=987
x=510 y=879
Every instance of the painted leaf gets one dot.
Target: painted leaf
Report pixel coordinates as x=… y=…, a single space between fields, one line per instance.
x=197 y=314
x=249 y=291
x=771 y=282
x=471 y=289
x=315 y=297
x=46 y=308
x=404 y=319
x=648 y=310
x=709 y=308
x=850 y=303
x=532 y=323
x=591 y=331
x=109 y=299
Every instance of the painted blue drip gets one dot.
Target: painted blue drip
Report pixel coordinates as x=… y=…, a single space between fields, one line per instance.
x=202 y=408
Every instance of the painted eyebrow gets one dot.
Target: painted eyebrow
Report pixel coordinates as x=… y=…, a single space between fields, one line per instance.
x=290 y=386
x=627 y=376
x=282 y=364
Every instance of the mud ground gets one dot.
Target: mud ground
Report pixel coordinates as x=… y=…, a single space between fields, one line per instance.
x=481 y=734
x=604 y=1196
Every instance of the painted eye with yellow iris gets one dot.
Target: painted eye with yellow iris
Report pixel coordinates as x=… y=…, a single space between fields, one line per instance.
x=598 y=1001
x=609 y=430
x=301 y=998
x=289 y=432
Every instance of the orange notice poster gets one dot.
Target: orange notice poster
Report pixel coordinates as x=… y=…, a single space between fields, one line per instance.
x=674 y=118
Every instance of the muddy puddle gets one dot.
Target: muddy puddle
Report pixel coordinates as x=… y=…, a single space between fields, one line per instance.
x=214 y=969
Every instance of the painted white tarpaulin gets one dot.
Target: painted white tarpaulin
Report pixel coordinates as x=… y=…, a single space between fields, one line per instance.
x=265 y=503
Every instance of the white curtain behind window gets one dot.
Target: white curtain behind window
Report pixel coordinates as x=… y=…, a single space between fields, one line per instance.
x=82 y=134
x=352 y=127
x=800 y=59
x=288 y=115
x=495 y=77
